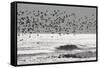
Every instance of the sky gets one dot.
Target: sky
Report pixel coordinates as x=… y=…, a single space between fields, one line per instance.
x=79 y=12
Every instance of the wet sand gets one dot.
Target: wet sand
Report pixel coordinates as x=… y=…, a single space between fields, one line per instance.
x=42 y=48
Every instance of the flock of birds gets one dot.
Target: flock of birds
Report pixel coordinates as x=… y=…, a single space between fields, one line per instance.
x=57 y=21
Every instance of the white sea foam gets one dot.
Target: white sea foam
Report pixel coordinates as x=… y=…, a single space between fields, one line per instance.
x=48 y=42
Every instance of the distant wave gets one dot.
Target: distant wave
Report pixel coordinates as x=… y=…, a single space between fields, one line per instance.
x=67 y=47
